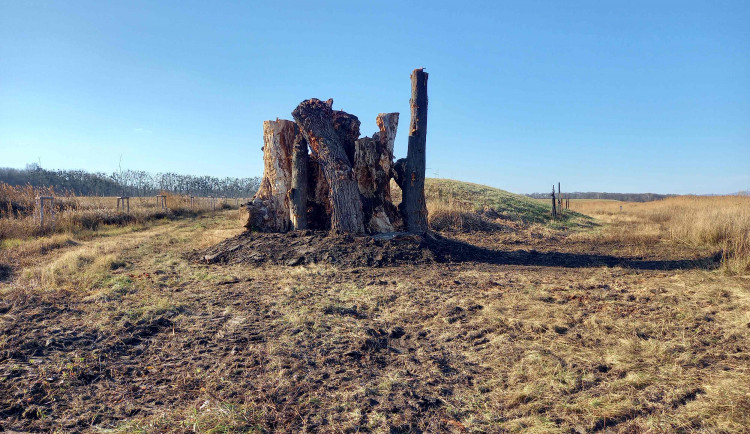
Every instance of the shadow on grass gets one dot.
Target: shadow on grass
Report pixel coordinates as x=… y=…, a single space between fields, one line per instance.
x=5 y=272
x=449 y=250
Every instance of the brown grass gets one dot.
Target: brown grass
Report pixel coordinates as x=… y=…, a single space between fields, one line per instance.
x=124 y=333
x=720 y=222
x=19 y=213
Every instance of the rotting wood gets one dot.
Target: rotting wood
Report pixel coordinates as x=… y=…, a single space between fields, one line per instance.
x=316 y=122
x=413 y=205
x=372 y=168
x=269 y=209
x=298 y=192
x=318 y=174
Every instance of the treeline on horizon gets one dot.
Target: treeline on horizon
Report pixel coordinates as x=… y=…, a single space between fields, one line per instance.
x=128 y=182
x=624 y=197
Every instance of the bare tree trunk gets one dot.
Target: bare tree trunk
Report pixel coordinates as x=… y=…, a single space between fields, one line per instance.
x=269 y=209
x=315 y=119
x=413 y=206
x=298 y=193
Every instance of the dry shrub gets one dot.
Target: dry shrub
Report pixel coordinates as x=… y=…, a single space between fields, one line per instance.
x=457 y=217
x=721 y=222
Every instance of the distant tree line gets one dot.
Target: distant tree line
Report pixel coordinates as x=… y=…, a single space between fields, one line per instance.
x=129 y=182
x=625 y=197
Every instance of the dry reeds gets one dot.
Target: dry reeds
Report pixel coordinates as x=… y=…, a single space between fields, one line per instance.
x=722 y=222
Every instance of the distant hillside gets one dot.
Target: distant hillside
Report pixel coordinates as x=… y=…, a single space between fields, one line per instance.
x=625 y=197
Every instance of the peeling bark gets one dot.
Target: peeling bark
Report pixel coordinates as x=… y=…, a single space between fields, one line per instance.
x=269 y=208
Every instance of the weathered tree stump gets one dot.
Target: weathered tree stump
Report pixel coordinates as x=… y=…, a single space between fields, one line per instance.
x=341 y=182
x=316 y=121
x=269 y=209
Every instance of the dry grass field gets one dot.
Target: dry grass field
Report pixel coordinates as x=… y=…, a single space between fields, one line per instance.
x=632 y=320
x=20 y=213
x=720 y=222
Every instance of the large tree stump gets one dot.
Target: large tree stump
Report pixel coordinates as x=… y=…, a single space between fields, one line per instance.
x=298 y=192
x=269 y=208
x=372 y=168
x=413 y=206
x=316 y=121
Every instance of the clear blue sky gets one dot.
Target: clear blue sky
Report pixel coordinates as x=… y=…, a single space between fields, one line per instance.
x=602 y=96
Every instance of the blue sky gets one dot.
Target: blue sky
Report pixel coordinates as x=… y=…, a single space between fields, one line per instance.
x=601 y=96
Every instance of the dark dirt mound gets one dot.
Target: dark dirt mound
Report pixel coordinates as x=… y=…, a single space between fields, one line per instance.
x=319 y=247
x=310 y=247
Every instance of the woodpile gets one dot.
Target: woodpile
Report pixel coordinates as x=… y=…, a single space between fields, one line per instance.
x=319 y=174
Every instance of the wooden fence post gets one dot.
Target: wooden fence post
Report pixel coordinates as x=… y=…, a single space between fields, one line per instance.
x=554 y=209
x=41 y=200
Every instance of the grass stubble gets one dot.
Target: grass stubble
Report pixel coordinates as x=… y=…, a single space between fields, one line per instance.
x=122 y=333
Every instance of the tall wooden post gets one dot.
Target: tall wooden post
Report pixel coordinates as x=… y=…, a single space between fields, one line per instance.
x=415 y=208
x=554 y=209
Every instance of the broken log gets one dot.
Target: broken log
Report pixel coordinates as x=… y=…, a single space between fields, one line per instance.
x=413 y=206
x=316 y=122
x=298 y=192
x=269 y=209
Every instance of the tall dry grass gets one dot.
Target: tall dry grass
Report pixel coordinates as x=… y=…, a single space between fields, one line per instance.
x=19 y=211
x=721 y=222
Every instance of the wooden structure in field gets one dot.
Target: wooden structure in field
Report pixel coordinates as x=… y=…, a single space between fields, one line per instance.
x=319 y=174
x=41 y=200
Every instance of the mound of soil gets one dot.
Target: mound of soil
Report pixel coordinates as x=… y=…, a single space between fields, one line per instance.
x=312 y=247
x=383 y=250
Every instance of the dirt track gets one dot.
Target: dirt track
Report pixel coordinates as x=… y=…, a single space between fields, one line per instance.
x=486 y=332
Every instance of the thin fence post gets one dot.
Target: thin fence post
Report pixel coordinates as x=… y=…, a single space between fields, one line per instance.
x=41 y=200
x=554 y=209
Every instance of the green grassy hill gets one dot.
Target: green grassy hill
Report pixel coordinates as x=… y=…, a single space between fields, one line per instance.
x=476 y=196
x=448 y=196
